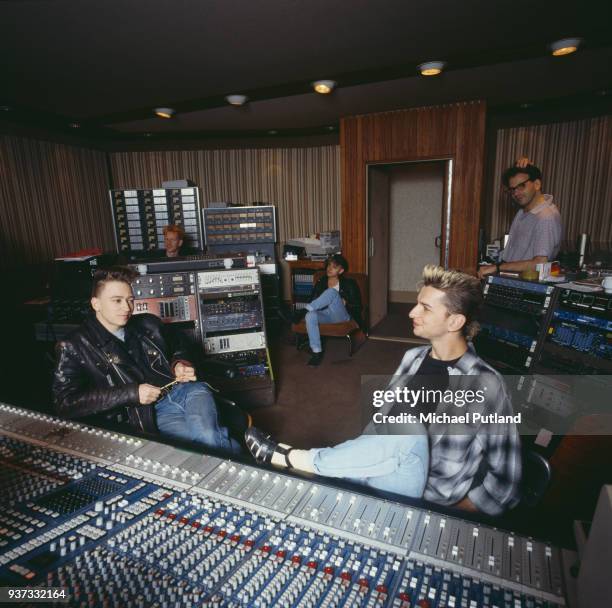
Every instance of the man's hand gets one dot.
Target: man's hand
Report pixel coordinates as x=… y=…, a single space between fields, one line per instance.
x=467 y=505
x=147 y=394
x=184 y=373
x=522 y=162
x=483 y=271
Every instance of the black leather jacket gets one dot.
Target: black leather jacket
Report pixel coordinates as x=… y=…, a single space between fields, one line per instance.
x=349 y=292
x=95 y=376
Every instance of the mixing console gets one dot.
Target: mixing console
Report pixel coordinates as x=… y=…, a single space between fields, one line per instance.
x=120 y=521
x=513 y=320
x=578 y=336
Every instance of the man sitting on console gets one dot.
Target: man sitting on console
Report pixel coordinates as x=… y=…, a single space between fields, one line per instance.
x=116 y=365
x=335 y=299
x=476 y=467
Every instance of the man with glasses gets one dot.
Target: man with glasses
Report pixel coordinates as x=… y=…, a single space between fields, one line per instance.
x=535 y=233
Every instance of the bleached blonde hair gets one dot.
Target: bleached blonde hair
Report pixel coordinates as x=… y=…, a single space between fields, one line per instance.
x=463 y=294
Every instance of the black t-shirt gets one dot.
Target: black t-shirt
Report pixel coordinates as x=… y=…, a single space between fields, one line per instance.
x=431 y=375
x=436 y=368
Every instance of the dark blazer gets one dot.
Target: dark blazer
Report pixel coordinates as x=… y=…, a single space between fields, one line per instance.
x=95 y=376
x=349 y=292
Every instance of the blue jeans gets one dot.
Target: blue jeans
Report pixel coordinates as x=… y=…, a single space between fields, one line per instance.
x=327 y=308
x=189 y=413
x=394 y=463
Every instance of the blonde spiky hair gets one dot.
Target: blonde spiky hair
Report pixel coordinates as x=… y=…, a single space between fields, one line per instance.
x=462 y=291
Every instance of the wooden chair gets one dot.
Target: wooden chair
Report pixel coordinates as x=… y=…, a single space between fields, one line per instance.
x=350 y=330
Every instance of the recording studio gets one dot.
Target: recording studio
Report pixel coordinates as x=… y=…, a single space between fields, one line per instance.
x=242 y=163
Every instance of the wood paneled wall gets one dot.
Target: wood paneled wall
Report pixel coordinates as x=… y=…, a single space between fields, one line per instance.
x=451 y=131
x=304 y=183
x=53 y=200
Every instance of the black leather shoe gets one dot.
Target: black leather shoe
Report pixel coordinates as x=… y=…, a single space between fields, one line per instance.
x=263 y=447
x=316 y=359
x=304 y=345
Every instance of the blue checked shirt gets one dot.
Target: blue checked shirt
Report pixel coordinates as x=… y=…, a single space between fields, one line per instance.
x=483 y=464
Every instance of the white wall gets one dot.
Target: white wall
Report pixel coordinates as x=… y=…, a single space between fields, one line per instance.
x=417 y=192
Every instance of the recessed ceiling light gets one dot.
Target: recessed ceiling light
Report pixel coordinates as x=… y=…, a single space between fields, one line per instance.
x=165 y=112
x=524 y=106
x=331 y=128
x=566 y=46
x=324 y=87
x=5 y=108
x=272 y=132
x=236 y=100
x=147 y=134
x=74 y=125
x=431 y=68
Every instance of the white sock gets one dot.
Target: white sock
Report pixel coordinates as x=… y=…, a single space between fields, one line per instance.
x=301 y=460
x=278 y=460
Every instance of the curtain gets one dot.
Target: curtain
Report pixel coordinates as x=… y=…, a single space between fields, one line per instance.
x=576 y=163
x=304 y=183
x=53 y=201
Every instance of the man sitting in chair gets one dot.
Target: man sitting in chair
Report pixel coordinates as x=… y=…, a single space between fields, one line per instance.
x=117 y=365
x=475 y=466
x=335 y=299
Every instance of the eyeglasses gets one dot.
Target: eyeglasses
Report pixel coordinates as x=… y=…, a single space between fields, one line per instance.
x=519 y=187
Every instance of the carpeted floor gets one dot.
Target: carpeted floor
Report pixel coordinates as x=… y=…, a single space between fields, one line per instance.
x=396 y=326
x=319 y=406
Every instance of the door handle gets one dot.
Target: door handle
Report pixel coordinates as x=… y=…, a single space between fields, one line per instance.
x=438 y=241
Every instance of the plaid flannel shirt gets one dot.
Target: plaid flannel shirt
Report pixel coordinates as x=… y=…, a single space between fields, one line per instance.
x=485 y=464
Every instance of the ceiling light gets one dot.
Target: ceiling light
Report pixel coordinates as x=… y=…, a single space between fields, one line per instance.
x=74 y=125
x=324 y=87
x=525 y=106
x=5 y=108
x=165 y=112
x=147 y=134
x=565 y=46
x=331 y=128
x=272 y=132
x=431 y=68
x=236 y=100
